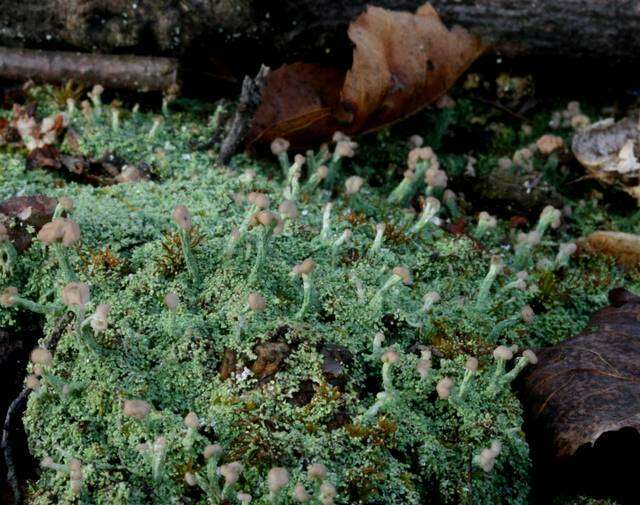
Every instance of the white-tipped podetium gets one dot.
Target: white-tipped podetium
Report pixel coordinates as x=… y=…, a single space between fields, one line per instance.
x=182 y=218
x=377 y=241
x=495 y=267
x=428 y=215
x=399 y=275
x=277 y=479
x=61 y=234
x=444 y=388
x=304 y=270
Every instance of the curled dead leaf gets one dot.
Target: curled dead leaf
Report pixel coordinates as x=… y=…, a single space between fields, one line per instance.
x=624 y=247
x=582 y=403
x=589 y=384
x=401 y=63
x=609 y=151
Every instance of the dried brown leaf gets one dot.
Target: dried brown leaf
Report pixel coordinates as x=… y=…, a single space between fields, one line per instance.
x=298 y=101
x=589 y=384
x=401 y=63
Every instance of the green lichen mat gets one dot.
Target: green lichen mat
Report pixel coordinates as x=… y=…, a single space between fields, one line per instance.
x=280 y=335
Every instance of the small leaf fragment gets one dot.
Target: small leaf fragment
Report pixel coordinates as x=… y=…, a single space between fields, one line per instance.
x=610 y=152
x=624 y=247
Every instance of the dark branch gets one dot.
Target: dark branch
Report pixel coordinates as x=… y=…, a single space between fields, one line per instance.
x=250 y=98
x=58 y=330
x=142 y=73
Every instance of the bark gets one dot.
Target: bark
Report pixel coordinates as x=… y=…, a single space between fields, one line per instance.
x=239 y=34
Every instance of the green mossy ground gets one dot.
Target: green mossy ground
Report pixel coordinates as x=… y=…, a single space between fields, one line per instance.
x=419 y=449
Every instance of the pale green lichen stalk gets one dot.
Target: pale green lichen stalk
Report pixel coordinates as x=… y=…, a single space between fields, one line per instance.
x=182 y=218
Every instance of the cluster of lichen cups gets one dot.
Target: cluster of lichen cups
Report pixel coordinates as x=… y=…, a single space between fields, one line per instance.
x=220 y=482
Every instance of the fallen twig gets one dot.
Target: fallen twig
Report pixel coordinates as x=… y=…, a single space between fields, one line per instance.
x=58 y=330
x=18 y=404
x=501 y=107
x=250 y=98
x=143 y=73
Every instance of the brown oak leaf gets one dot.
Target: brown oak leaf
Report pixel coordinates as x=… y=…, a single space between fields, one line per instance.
x=401 y=63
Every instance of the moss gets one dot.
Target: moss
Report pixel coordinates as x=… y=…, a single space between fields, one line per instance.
x=310 y=407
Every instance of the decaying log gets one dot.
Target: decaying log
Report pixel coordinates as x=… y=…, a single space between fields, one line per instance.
x=143 y=73
x=245 y=33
